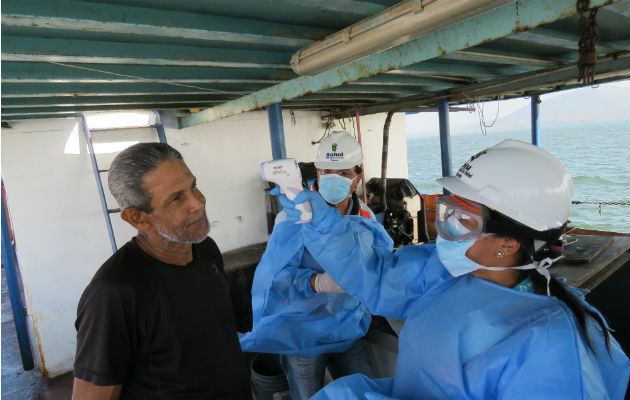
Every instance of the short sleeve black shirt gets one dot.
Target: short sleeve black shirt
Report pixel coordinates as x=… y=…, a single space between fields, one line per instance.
x=162 y=331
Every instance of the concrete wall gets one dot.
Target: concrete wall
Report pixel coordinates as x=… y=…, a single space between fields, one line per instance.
x=60 y=232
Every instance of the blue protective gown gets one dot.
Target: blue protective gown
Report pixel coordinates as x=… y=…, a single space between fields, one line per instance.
x=464 y=338
x=288 y=316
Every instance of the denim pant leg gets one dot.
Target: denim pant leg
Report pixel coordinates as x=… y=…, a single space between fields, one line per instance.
x=304 y=374
x=354 y=360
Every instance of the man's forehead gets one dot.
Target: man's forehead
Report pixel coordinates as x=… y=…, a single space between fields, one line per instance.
x=168 y=175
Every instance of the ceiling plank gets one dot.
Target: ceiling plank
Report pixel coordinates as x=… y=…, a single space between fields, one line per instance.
x=75 y=15
x=16 y=48
x=619 y=66
x=564 y=40
x=359 y=8
x=498 y=57
x=40 y=72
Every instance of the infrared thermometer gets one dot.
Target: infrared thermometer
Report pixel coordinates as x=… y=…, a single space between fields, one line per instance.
x=286 y=174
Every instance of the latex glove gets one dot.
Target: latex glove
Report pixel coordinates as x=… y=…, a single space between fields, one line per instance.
x=288 y=206
x=377 y=396
x=318 y=204
x=325 y=284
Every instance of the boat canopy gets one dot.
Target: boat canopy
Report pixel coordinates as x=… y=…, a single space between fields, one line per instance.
x=209 y=59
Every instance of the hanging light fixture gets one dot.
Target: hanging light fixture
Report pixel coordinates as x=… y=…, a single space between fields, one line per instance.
x=398 y=24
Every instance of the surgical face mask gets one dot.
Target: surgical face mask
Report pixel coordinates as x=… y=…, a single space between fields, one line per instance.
x=452 y=253
x=334 y=188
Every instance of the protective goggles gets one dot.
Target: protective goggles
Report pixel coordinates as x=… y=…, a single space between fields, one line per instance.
x=459 y=219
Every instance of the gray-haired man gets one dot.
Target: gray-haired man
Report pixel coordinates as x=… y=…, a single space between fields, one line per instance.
x=156 y=321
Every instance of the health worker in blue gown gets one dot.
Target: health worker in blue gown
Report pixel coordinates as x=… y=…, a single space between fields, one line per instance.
x=484 y=319
x=300 y=313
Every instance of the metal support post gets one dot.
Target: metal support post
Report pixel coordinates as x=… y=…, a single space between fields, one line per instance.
x=9 y=260
x=99 y=183
x=356 y=109
x=445 y=138
x=536 y=120
x=276 y=131
x=159 y=125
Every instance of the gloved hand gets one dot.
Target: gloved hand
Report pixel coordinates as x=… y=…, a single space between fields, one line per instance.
x=318 y=204
x=377 y=396
x=288 y=206
x=325 y=284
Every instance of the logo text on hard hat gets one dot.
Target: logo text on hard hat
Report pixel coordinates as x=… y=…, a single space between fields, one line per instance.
x=464 y=170
x=334 y=147
x=334 y=156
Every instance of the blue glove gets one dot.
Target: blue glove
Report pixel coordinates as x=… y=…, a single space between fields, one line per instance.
x=287 y=205
x=319 y=206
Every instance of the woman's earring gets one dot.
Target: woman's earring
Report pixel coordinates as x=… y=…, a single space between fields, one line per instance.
x=500 y=254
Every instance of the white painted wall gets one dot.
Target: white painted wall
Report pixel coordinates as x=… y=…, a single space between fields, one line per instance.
x=59 y=230
x=59 y=227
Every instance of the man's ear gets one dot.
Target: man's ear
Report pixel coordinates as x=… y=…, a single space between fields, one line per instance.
x=136 y=218
x=510 y=245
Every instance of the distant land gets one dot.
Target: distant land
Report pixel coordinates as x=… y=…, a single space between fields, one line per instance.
x=610 y=102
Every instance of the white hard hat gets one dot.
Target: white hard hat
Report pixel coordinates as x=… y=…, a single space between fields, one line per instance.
x=339 y=150
x=520 y=181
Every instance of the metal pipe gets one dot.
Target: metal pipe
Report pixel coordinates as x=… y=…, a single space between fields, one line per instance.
x=445 y=138
x=9 y=261
x=356 y=108
x=388 y=121
x=403 y=22
x=535 y=119
x=276 y=131
x=99 y=183
x=159 y=125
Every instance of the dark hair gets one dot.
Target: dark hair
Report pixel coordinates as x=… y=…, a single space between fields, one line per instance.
x=357 y=169
x=527 y=254
x=127 y=172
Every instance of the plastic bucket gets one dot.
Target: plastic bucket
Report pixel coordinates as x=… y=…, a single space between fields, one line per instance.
x=268 y=379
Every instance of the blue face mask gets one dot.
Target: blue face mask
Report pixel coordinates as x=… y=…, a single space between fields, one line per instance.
x=334 y=188
x=452 y=253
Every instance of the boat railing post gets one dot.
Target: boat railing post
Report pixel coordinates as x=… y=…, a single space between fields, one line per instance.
x=278 y=147
x=445 y=138
x=9 y=261
x=535 y=100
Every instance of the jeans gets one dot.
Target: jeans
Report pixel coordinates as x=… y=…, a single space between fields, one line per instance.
x=306 y=374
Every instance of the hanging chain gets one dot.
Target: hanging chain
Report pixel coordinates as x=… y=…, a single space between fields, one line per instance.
x=602 y=203
x=586 y=45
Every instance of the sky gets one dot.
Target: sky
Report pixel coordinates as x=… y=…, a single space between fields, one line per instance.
x=426 y=124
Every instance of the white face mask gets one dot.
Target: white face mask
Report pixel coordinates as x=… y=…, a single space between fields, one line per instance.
x=452 y=253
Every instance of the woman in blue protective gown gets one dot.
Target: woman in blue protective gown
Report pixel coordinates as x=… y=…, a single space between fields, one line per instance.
x=484 y=319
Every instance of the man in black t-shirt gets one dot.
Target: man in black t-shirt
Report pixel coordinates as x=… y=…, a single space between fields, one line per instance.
x=156 y=320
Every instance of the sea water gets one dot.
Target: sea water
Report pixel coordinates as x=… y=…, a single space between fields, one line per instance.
x=596 y=154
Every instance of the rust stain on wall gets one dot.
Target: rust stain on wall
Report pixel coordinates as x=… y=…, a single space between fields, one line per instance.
x=40 y=351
